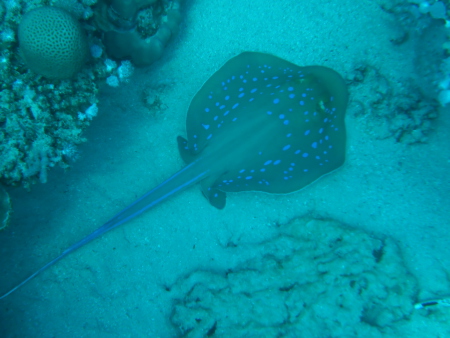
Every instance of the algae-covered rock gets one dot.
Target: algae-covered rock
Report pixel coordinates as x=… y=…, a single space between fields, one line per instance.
x=138 y=30
x=5 y=208
x=318 y=278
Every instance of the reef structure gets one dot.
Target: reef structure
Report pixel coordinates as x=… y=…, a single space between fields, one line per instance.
x=318 y=278
x=139 y=29
x=51 y=79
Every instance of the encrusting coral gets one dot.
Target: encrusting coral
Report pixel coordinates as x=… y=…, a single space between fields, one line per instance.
x=318 y=278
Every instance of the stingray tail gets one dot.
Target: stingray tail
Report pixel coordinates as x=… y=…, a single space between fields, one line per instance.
x=186 y=177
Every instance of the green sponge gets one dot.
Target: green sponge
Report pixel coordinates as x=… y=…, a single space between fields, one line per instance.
x=52 y=42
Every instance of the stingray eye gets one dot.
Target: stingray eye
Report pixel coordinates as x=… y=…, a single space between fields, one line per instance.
x=321 y=106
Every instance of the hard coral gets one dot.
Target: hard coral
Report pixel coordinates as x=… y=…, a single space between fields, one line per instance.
x=52 y=42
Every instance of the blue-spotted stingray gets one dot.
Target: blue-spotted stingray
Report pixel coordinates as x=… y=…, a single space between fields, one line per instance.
x=260 y=123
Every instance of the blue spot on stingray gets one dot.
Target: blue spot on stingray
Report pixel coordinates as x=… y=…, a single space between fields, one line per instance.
x=307 y=132
x=268 y=162
x=276 y=101
x=286 y=147
x=276 y=162
x=305 y=154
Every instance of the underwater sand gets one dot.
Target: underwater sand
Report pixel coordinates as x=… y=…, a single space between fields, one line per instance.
x=115 y=286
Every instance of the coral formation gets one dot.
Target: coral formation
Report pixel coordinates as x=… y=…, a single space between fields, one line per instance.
x=39 y=117
x=42 y=118
x=141 y=36
x=392 y=108
x=427 y=23
x=405 y=108
x=52 y=42
x=128 y=9
x=318 y=278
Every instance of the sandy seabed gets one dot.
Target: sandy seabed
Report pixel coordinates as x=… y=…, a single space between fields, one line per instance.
x=116 y=286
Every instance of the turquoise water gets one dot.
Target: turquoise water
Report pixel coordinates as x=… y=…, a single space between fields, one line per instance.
x=118 y=285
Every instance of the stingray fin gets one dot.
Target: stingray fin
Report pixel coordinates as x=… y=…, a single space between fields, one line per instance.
x=184 y=150
x=215 y=197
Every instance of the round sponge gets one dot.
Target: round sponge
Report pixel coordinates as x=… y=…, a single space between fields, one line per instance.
x=52 y=42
